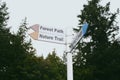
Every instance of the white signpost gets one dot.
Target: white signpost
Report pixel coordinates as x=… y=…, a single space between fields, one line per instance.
x=55 y=35
x=73 y=45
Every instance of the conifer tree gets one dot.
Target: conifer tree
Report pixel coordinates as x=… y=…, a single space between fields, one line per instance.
x=4 y=41
x=97 y=58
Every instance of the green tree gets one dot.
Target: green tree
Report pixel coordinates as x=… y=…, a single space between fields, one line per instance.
x=16 y=54
x=17 y=59
x=4 y=41
x=21 y=53
x=98 y=56
x=57 y=68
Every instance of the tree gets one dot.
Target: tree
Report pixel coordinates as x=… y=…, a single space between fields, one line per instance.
x=4 y=41
x=21 y=53
x=15 y=51
x=96 y=59
x=17 y=59
x=56 y=67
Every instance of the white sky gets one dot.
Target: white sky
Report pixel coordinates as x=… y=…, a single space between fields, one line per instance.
x=56 y=13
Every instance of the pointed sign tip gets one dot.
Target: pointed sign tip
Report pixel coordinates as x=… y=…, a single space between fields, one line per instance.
x=34 y=35
x=35 y=27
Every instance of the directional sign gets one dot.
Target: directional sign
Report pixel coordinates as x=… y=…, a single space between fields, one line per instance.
x=48 y=34
x=79 y=36
x=84 y=28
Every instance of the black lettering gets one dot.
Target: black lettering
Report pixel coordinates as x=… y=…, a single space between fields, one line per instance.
x=58 y=30
x=46 y=29
x=46 y=37
x=59 y=38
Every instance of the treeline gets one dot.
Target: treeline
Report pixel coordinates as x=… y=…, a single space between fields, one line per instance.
x=17 y=56
x=97 y=56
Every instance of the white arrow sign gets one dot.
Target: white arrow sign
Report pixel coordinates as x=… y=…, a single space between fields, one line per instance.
x=48 y=34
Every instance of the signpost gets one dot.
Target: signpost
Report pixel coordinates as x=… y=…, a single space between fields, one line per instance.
x=79 y=36
x=73 y=45
x=55 y=35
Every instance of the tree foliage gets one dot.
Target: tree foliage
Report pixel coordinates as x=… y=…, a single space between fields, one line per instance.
x=4 y=40
x=56 y=66
x=17 y=56
x=98 y=54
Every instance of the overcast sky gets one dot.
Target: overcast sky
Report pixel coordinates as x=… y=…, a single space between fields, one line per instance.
x=56 y=13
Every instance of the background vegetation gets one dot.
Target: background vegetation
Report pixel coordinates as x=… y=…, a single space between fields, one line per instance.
x=98 y=56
